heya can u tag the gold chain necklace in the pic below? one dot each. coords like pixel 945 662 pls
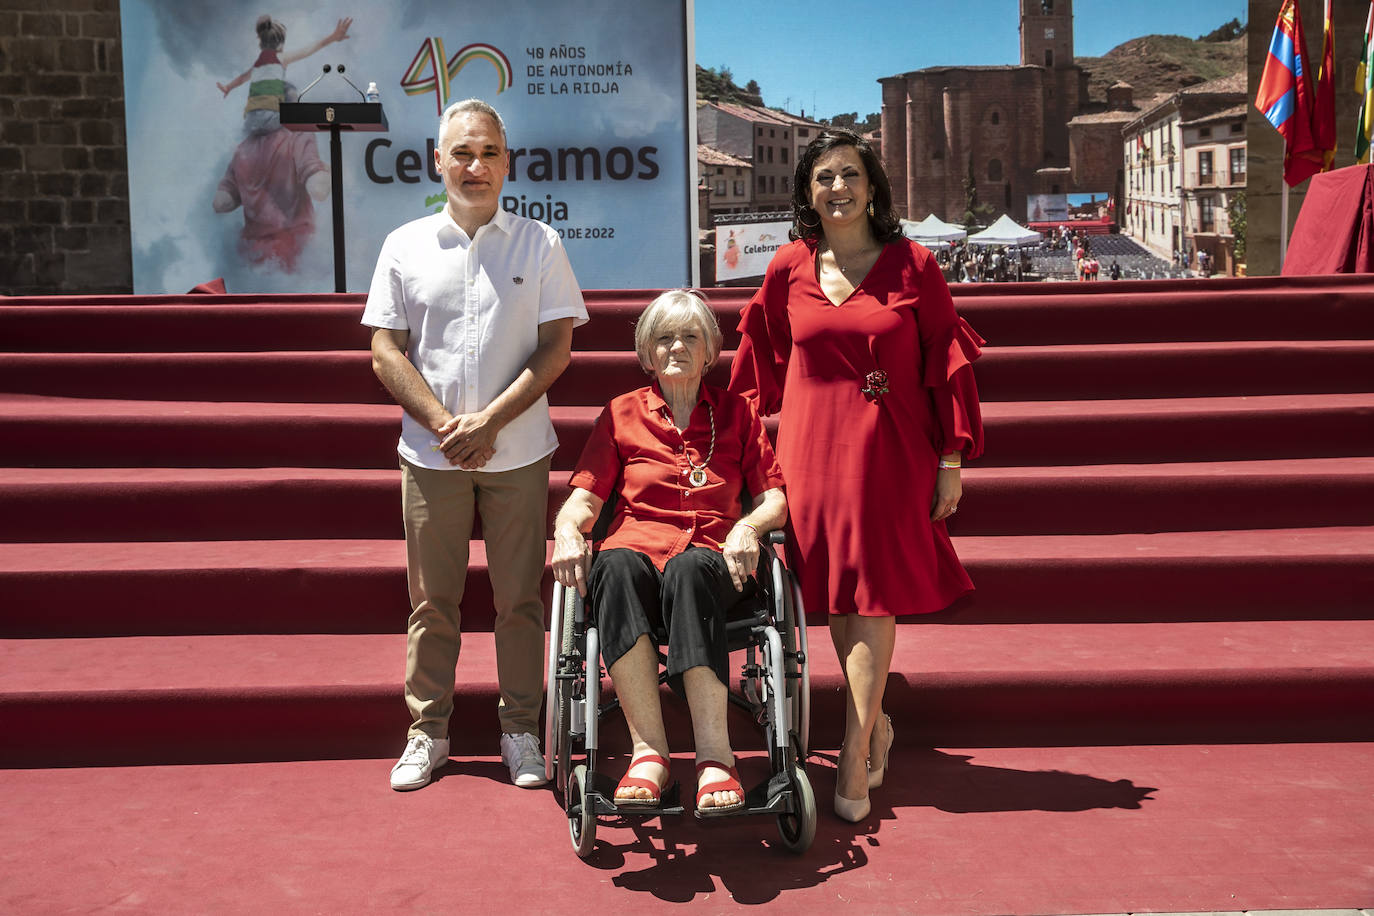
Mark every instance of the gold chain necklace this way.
pixel 697 475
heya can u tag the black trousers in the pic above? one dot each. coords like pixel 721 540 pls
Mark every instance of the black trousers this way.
pixel 688 602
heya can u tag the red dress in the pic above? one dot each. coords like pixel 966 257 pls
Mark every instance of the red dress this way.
pixel 860 471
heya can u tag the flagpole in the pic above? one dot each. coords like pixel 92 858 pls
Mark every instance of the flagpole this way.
pixel 1283 214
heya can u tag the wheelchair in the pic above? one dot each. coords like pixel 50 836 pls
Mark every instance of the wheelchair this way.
pixel 769 628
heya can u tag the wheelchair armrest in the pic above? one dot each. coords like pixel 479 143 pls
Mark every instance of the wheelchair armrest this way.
pixel 777 536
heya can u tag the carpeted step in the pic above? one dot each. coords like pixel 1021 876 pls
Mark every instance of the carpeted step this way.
pixel 1182 496
pixel 142 700
pixel 358 586
pixel 1007 314
pixel 1004 373
pixel 174 504
pixel 1174 829
pixel 40 431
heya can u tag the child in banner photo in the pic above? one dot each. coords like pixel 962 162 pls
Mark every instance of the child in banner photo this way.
pixel 276 175
pixel 268 73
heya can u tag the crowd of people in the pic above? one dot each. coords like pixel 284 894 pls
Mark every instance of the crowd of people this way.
pixel 964 263
pixel 852 340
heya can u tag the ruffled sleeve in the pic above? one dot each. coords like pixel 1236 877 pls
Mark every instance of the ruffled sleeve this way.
pixel 760 366
pixel 949 347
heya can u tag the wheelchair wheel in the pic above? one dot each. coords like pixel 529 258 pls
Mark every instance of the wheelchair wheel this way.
pixel 563 695
pixel 799 828
pixel 582 827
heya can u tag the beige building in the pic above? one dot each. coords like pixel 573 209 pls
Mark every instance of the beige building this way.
pixel 1160 201
pixel 770 140
pixel 1214 159
pixel 728 181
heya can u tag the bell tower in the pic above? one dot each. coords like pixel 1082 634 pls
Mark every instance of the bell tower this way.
pixel 1047 33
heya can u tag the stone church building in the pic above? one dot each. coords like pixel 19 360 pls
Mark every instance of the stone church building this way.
pixel 1020 129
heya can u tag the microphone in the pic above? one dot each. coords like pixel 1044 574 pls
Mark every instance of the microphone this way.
pixel 312 84
pixel 361 94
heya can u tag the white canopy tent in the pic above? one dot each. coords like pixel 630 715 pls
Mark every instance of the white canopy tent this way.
pixel 932 229
pixel 1005 231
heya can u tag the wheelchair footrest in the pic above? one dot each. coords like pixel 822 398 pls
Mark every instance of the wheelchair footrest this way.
pixel 772 797
pixel 601 798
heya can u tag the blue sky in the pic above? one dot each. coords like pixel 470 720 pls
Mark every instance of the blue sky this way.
pixel 826 55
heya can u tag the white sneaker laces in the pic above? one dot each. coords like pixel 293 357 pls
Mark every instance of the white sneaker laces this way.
pixel 417 751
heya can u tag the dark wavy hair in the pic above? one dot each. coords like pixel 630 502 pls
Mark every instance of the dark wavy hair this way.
pixel 886 224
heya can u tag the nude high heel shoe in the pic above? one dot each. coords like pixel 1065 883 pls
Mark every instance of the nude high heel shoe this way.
pixel 876 773
pixel 852 809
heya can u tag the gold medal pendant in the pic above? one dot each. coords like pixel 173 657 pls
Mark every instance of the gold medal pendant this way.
pixel 697 478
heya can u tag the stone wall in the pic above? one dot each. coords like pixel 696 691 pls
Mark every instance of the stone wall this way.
pixel 937 121
pixel 64 188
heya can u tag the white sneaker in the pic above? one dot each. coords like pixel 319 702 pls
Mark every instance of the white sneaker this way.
pixel 423 755
pixel 521 754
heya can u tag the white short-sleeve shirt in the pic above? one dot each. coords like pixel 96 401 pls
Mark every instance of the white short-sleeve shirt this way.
pixel 473 307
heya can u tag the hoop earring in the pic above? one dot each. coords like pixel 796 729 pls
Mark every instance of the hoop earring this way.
pixel 801 220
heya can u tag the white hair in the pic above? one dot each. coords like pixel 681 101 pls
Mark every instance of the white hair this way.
pixel 674 310
pixel 469 106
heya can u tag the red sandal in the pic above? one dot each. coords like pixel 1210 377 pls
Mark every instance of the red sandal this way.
pixel 637 782
pixel 720 785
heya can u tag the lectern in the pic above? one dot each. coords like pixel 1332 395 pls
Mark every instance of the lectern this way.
pixel 335 117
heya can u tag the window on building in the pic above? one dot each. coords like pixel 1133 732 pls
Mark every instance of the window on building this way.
pixel 739 188
pixel 763 185
pixel 770 154
pixel 1237 127
pixel 996 117
pixel 1204 168
pixel 783 154
pixel 784 135
pixel 772 184
pixel 759 158
pixel 1237 164
pixel 1049 57
pixel 804 132
pixel 720 188
pixel 1204 133
pixel 771 133
pixel 1206 215
pixel 720 170
pixel 785 187
pixel 739 170
pixel 760 131
pixel 994 170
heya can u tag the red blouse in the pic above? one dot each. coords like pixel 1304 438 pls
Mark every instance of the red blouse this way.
pixel 637 452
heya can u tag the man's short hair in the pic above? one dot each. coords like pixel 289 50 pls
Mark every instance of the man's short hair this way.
pixel 470 106
pixel 674 309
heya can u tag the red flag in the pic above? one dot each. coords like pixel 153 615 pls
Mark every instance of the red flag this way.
pixel 1324 118
pixel 1285 96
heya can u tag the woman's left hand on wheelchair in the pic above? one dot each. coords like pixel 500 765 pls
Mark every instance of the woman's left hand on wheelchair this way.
pixel 572 559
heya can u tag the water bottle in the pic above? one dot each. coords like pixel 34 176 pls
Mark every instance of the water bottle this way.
pixel 372 95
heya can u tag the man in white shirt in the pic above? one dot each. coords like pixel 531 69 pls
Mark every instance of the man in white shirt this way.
pixel 473 310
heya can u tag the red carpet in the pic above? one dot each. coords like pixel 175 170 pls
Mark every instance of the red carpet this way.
pixel 1164 678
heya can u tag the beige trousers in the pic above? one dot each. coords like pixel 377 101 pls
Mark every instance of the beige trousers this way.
pixel 439 507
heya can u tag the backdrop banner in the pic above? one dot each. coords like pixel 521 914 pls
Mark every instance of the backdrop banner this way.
pixel 597 96
pixel 744 249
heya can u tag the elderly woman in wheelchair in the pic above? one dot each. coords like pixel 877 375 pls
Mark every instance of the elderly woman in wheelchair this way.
pixel 680 550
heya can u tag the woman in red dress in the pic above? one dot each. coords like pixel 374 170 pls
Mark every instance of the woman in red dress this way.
pixel 855 325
